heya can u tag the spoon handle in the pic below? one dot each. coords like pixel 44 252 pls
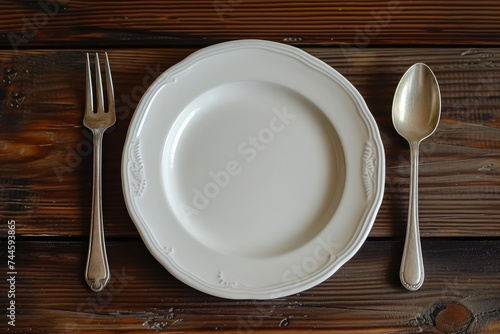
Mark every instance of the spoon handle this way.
pixel 412 264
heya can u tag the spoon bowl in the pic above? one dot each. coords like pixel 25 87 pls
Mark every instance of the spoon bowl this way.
pixel 416 110
pixel 417 104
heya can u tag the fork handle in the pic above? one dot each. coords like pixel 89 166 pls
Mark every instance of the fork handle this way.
pixel 97 269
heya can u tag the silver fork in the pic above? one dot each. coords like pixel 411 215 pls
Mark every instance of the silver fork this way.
pixel 97 269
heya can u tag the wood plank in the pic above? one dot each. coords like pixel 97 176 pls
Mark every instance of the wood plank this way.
pixel 74 23
pixel 45 161
pixel 461 291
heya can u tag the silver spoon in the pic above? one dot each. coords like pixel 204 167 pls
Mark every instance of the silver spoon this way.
pixel 416 110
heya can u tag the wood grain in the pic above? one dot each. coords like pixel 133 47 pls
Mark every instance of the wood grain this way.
pixel 41 134
pixel 360 23
pixel 46 164
pixel 364 296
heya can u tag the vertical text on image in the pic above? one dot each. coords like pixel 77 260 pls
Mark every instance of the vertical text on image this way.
pixel 11 272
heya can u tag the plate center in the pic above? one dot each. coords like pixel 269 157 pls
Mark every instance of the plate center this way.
pixel 253 168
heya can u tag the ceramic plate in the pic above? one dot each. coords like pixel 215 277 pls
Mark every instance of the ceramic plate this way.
pixel 252 170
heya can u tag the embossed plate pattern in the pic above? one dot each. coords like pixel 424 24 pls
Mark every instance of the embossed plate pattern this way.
pixel 252 170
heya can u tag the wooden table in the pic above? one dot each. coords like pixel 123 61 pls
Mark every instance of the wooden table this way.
pixel 46 165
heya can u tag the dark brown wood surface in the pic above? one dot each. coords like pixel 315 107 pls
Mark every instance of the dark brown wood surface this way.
pixel 360 298
pixel 199 22
pixel 44 136
pixel 46 164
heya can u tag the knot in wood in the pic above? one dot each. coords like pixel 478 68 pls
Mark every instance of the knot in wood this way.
pixel 451 317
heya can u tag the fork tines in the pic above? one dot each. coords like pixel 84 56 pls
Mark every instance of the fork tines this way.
pixel 90 112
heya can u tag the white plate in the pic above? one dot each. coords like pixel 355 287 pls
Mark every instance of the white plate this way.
pixel 252 170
